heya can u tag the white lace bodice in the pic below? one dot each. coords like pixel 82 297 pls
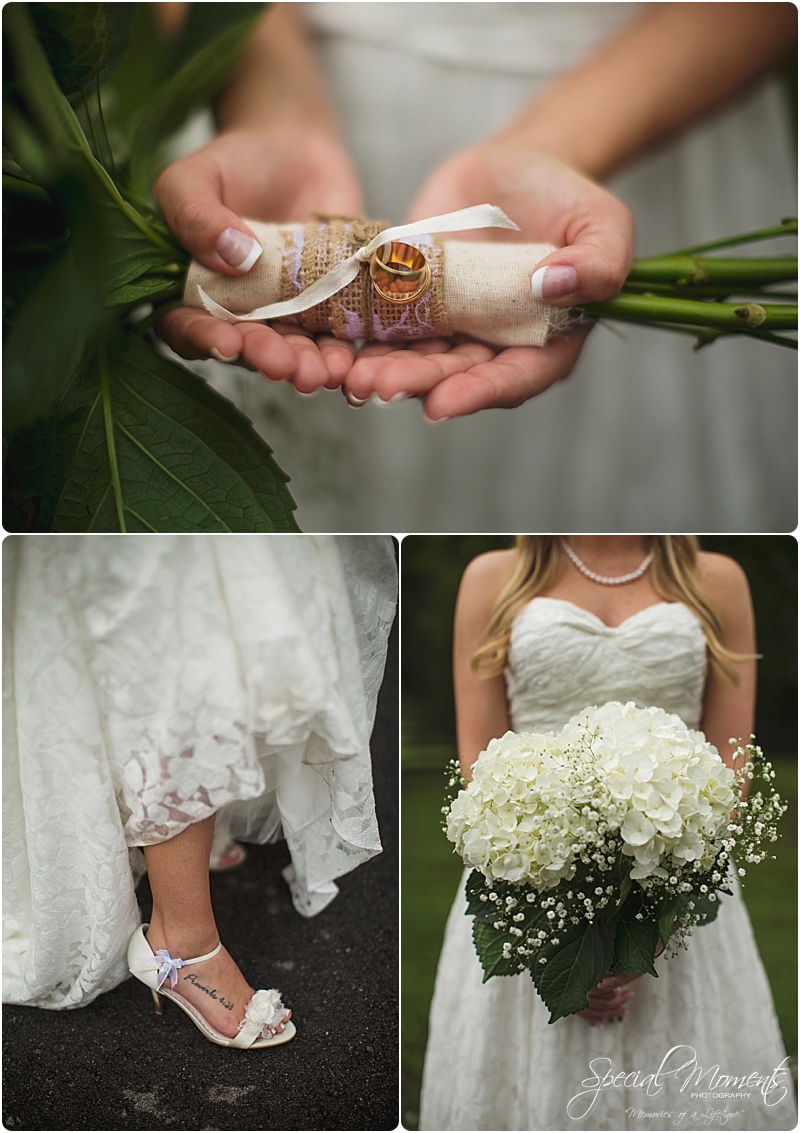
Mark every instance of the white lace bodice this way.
pixel 563 658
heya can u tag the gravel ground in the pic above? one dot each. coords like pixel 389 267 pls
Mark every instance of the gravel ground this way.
pixel 116 1065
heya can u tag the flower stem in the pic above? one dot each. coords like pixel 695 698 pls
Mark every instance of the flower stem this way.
pixel 787 227
pixel 693 271
pixel 731 317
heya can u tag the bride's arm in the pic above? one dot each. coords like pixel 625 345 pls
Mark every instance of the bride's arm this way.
pixel 481 706
pixel 729 710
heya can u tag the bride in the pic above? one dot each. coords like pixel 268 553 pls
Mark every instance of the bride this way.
pixel 542 632
pixel 155 685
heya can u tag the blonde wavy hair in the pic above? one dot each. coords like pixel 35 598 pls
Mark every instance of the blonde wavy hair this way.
pixel 674 575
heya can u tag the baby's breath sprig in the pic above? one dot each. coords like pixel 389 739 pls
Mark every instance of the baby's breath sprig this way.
pixel 454 778
pixel 754 824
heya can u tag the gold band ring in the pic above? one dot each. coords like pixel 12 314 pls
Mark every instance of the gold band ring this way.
pixel 399 272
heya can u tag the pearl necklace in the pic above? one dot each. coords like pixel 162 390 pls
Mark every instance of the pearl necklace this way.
pixel 619 580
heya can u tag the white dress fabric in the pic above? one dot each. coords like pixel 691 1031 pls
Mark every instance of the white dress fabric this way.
pixel 151 680
pixel 645 432
pixel 493 1061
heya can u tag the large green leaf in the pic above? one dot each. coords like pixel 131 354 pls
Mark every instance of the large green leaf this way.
pixel 489 946
pixel 51 326
pixel 46 341
pixel 665 913
pixel 635 944
pixel 75 38
pixel 701 904
pixel 198 80
pixel 571 971
pixel 55 119
pixel 141 444
pixel 203 24
pixel 130 255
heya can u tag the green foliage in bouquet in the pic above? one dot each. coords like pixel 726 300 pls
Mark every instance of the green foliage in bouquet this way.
pixel 103 432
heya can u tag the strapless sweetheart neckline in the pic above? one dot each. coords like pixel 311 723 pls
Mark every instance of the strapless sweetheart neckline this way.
pixel 597 618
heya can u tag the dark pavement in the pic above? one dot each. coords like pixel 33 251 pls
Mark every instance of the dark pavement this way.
pixel 116 1065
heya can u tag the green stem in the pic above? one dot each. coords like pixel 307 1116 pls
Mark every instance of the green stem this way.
pixel 706 335
pixel 105 131
pixel 108 422
pixel 726 316
pixel 91 125
pixel 691 270
pixel 675 291
pixel 787 227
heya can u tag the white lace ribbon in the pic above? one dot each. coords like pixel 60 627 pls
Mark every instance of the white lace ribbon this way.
pixel 478 216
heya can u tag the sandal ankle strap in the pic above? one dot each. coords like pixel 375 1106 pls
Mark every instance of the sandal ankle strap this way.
pixel 168 965
pixel 208 956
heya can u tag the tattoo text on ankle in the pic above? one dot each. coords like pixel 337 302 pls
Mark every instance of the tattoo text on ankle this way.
pixel 192 978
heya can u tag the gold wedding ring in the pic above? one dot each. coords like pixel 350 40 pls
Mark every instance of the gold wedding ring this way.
pixel 399 272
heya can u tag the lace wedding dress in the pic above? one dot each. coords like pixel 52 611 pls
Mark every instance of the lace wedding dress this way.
pixel 154 679
pixel 493 1061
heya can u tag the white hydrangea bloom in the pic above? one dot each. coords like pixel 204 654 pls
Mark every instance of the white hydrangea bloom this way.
pixel 538 802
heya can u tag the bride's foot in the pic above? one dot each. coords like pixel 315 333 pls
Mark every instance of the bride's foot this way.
pixel 215 987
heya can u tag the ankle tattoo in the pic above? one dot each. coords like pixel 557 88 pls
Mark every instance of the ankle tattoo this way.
pixel 212 992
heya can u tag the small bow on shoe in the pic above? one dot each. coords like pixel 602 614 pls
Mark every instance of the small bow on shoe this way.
pixel 167 966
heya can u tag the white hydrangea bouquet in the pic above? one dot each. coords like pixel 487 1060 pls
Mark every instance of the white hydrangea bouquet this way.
pixel 595 846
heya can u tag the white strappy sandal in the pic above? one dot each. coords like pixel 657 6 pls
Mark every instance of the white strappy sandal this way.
pixel 262 1017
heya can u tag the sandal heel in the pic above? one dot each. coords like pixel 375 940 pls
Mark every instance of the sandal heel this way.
pixel 159 1006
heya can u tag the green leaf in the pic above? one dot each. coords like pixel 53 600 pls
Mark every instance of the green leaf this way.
pixel 489 946
pixel 702 904
pixel 476 885
pixel 55 119
pixel 75 38
pixel 666 918
pixel 204 22
pixel 46 341
pixel 140 290
pixel 140 444
pixel 635 945
pixel 130 255
pixel 573 969
pixel 198 80
pixel 50 329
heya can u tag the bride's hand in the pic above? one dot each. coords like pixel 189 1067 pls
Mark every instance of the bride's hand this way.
pixel 609 1000
pixel 551 203
pixel 279 175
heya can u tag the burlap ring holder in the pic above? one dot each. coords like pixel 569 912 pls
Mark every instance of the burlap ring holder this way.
pixel 478 289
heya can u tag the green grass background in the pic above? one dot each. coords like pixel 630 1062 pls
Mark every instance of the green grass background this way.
pixel 430 877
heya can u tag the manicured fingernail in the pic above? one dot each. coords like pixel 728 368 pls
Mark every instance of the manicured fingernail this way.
pixel 432 420
pixel 311 393
pixel 356 402
pixel 399 397
pixel 238 249
pixel 553 282
pixel 223 357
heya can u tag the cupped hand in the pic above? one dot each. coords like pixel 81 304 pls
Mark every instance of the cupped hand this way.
pixel 551 203
pixel 282 176
pixel 610 999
